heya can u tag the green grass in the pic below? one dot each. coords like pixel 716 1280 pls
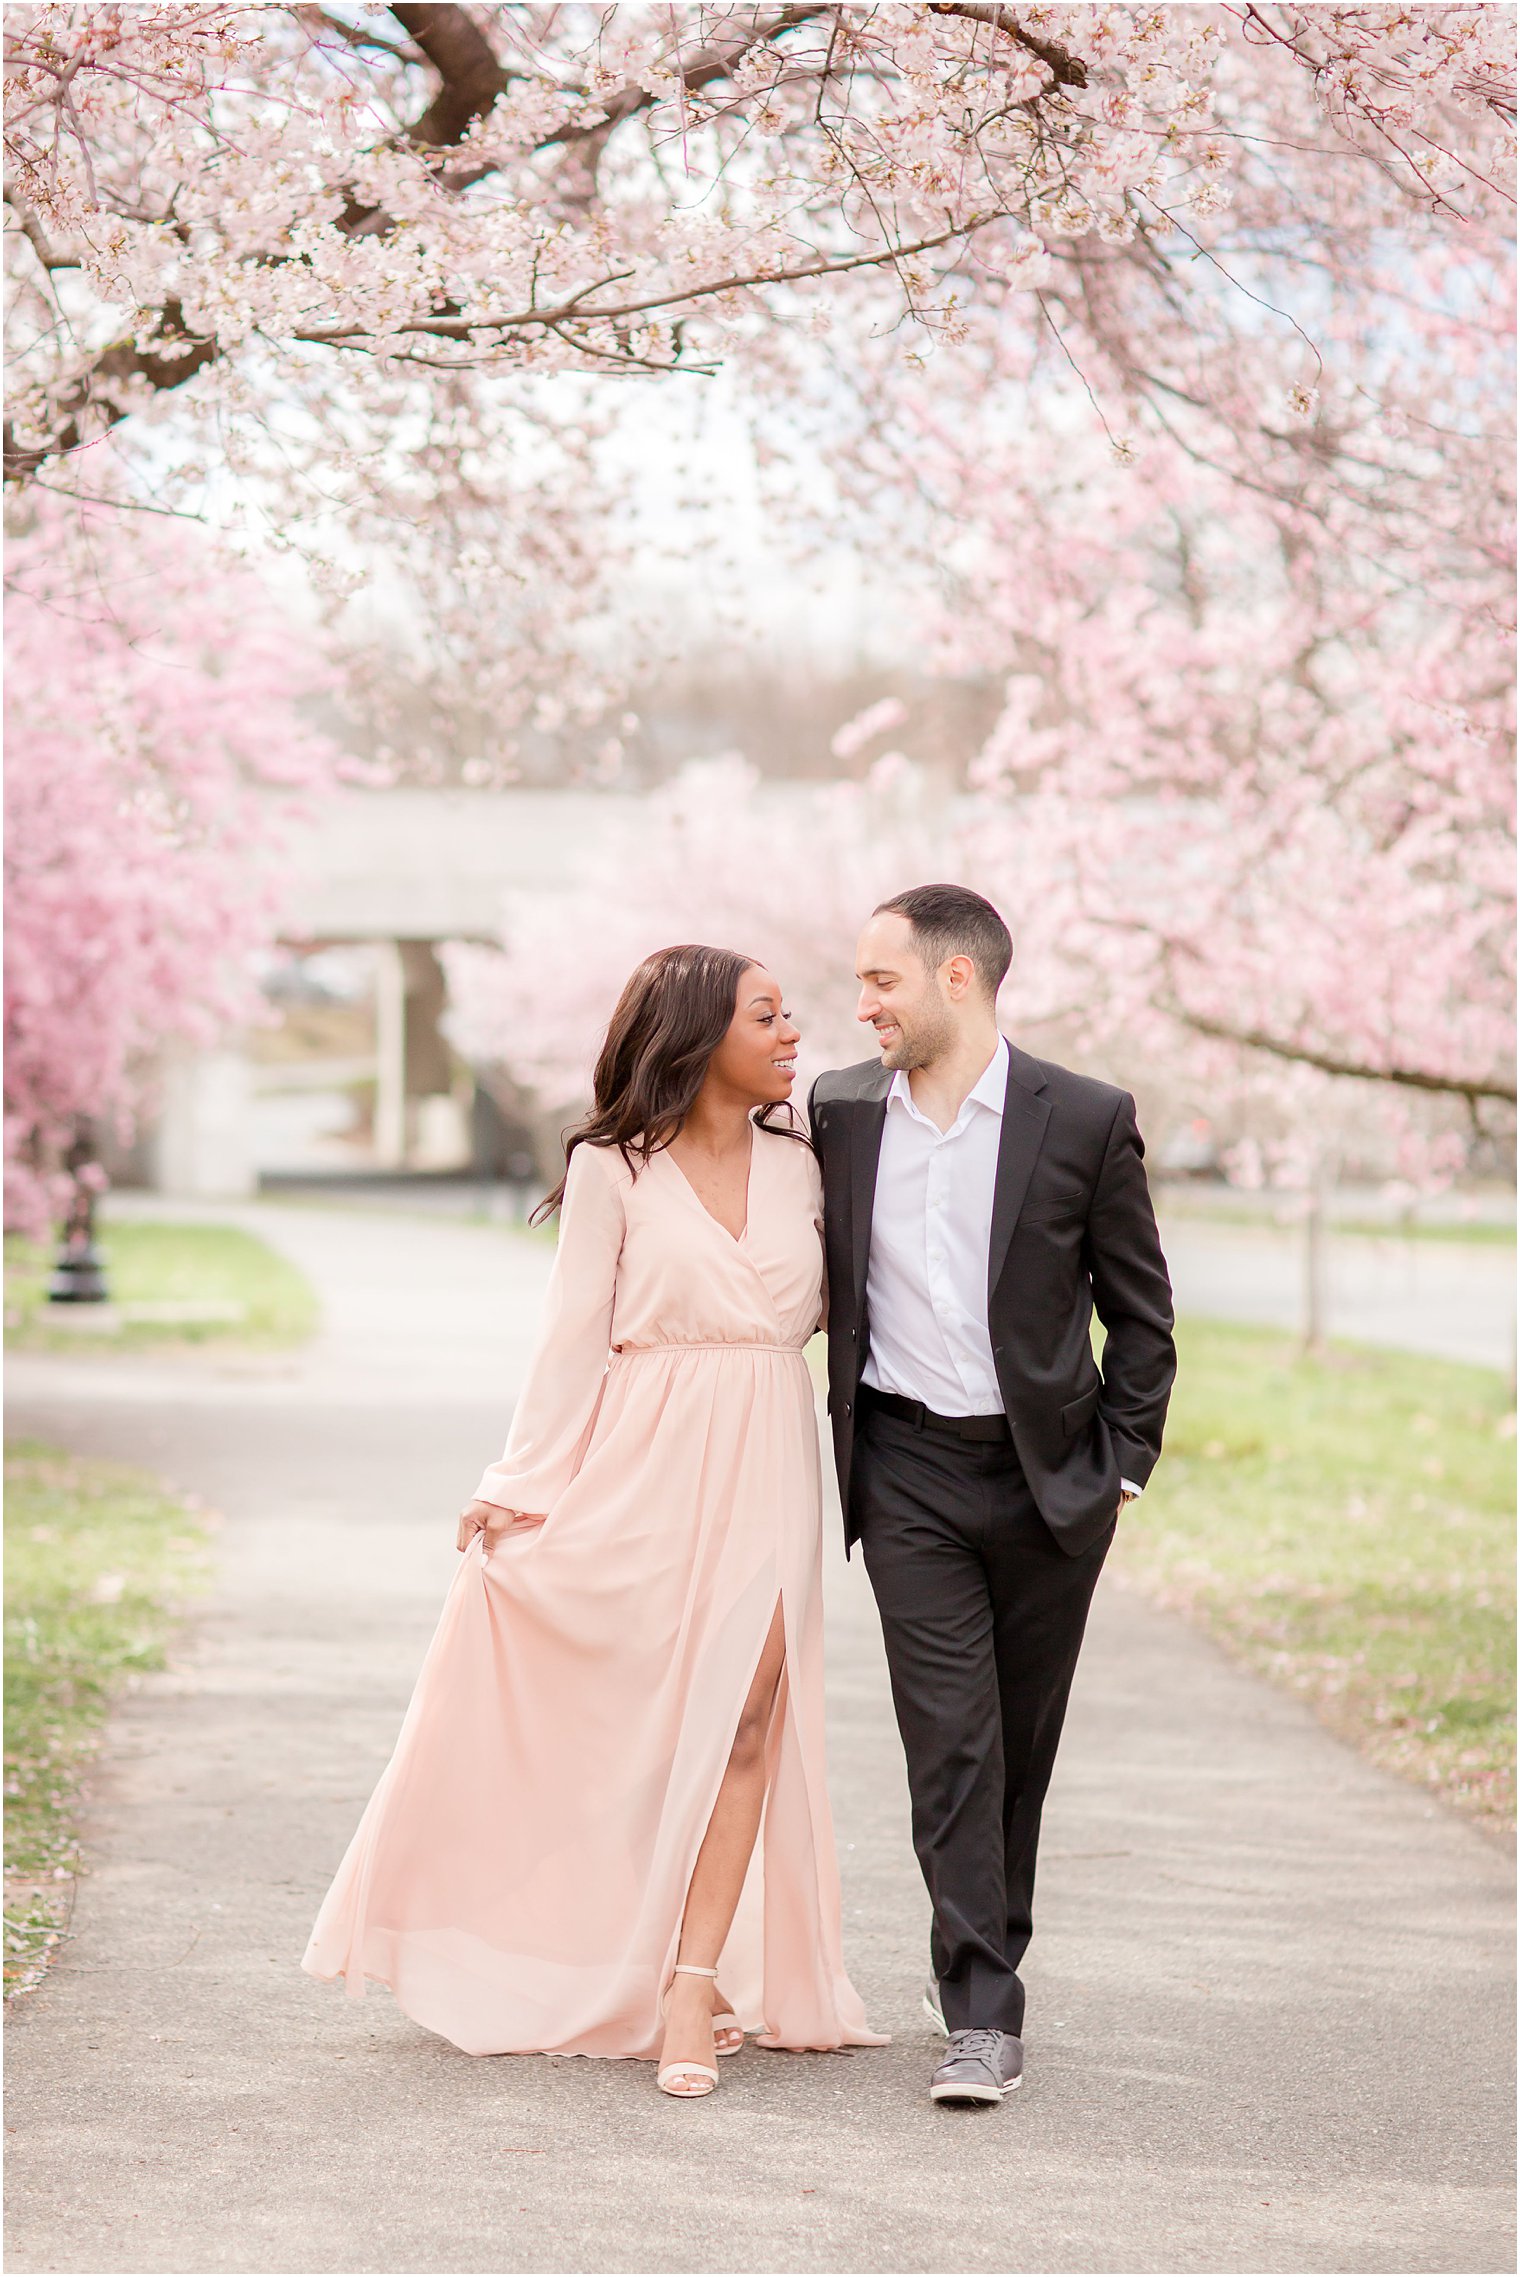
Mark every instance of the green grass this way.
pixel 1346 1526
pixel 264 1300
pixel 98 1559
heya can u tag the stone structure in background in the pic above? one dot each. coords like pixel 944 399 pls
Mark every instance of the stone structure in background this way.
pixel 387 876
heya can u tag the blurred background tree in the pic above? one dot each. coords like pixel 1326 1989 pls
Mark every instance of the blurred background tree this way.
pixel 156 748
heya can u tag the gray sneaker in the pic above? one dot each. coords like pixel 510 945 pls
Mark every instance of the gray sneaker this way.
pixel 978 2067
pixel 934 2010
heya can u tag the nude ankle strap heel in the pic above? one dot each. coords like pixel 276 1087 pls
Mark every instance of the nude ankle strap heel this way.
pixel 688 2070
pixel 728 2032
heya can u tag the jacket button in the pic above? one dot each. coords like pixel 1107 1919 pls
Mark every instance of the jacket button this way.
pixel 854 1335
pixel 847 1407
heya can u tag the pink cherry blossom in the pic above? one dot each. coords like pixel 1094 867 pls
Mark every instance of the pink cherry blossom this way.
pixel 154 744
pixel 227 201
pixel 1170 345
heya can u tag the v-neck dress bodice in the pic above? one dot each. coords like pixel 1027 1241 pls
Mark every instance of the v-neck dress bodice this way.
pixel 683 1277
pixel 519 1877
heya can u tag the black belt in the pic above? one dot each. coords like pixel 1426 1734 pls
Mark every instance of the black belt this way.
pixel 987 1427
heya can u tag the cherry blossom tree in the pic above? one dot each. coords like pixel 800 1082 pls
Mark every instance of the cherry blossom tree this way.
pixel 1249 803
pixel 376 265
pixel 1172 338
pixel 155 743
pixel 1256 756
pixel 325 205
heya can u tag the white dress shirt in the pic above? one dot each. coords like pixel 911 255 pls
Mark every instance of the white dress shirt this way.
pixel 931 1231
pixel 931 1235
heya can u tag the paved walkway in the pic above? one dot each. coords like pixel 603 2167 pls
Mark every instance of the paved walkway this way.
pixel 1269 2023
pixel 1452 1299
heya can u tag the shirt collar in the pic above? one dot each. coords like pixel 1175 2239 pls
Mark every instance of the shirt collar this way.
pixel 991 1086
pixel 989 1090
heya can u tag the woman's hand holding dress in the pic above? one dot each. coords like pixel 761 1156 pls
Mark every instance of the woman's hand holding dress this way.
pixel 489 1520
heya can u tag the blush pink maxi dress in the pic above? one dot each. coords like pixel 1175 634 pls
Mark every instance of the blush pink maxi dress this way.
pixel 519 1876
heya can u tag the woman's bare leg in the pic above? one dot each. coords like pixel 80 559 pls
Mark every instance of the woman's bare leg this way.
pixel 723 1862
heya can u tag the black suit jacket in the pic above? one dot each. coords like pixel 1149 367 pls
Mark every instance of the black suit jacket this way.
pixel 1072 1229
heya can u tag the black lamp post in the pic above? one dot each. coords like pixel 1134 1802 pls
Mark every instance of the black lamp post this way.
pixel 78 1270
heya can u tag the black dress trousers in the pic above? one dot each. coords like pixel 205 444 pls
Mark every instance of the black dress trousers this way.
pixel 982 1616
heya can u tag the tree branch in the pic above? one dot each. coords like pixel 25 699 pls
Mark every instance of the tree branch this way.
pixel 354 36
pixel 36 236
pixel 1411 1078
pixel 709 63
pixel 575 310
pixel 471 78
pixel 173 356
pixel 1068 70
pixel 469 74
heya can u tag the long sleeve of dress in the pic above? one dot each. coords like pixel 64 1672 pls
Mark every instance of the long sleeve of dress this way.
pixel 557 1407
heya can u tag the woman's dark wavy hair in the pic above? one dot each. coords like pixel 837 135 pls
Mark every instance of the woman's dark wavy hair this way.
pixel 670 1019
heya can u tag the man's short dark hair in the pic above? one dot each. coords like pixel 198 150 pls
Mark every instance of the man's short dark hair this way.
pixel 952 921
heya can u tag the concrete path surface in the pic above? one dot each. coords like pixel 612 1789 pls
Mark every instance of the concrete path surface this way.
pixel 1452 1299
pixel 1269 2022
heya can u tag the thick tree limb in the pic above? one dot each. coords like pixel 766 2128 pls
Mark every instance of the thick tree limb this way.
pixel 470 78
pixel 88 407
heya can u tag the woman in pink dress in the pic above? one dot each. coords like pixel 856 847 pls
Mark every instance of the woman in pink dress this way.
pixel 605 1830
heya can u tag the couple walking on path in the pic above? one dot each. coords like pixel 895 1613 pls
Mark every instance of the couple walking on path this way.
pixel 605 1829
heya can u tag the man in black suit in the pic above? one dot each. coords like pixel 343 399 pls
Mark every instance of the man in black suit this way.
pixel 980 1205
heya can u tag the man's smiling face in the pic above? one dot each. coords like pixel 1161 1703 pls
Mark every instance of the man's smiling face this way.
pixel 902 1001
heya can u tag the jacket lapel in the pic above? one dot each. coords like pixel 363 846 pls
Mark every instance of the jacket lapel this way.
pixel 865 1152
pixel 1025 1115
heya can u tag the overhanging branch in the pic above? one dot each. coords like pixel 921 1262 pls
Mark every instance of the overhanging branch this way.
pixel 578 310
pixel 699 71
pixel 172 356
pixel 1471 1088
pixel 470 80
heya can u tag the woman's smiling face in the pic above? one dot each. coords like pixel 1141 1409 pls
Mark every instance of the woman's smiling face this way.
pixel 757 1059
